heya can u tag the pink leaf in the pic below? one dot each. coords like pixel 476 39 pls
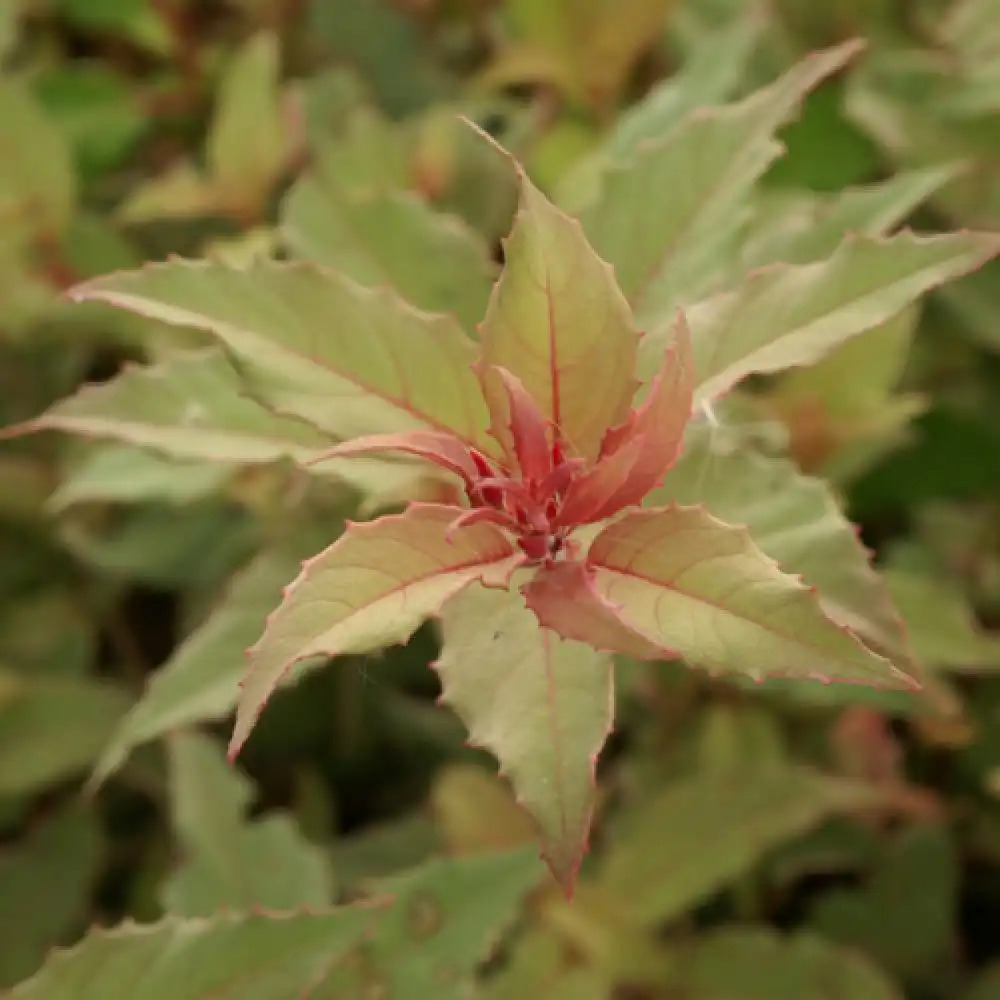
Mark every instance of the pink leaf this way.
pixel 529 429
pixel 563 599
pixel 441 449
pixel 638 454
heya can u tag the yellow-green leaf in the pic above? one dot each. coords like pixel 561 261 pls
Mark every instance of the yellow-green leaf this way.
pixel 558 321
pixel 788 315
pixel 250 140
pixel 664 216
pixel 543 706
pixel 316 345
pixel 230 862
pixel 373 587
pixel 432 260
pixel 189 407
pixel 796 521
pixel 685 842
pixel 686 581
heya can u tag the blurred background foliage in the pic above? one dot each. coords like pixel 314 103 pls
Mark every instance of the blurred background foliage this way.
pixel 750 843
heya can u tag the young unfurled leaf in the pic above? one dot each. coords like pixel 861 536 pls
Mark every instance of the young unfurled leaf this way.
pixel 372 587
pixel 788 315
pixel 558 322
pixel 636 456
pixel 542 705
pixel 688 582
pixel 565 599
pixel 664 216
pixel 315 345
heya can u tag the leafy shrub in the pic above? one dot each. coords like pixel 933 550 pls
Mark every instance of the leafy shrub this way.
pixel 551 345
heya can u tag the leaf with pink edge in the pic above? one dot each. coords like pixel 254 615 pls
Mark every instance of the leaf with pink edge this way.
pixel 687 581
pixel 558 322
pixel 543 706
pixel 787 315
pixel 373 587
pixel 667 215
pixel 564 599
pixel 637 455
pixel 313 344
pixel 441 449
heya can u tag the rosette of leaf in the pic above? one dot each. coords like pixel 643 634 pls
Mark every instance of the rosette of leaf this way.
pixel 578 529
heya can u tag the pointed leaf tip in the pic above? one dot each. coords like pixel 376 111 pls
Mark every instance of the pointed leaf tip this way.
pixel 383 367
pixel 687 581
pixel 373 587
pixel 558 322
pixel 637 455
pixel 543 706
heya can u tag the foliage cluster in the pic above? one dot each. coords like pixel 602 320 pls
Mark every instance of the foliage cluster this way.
pixel 559 346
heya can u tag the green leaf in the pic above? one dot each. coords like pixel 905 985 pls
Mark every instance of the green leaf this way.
pixel 687 841
pixel 542 706
pixel 120 474
pixel 250 141
pixel 432 260
pixel 690 583
pixel 135 20
pixel 189 407
pixel 941 623
pixel 788 315
pixel 586 48
pixel 709 76
pixel 424 940
pixel 387 47
pixel 315 345
pixel 904 917
pixel 52 728
pixel 797 228
pixel 47 632
pixel 229 862
pixel 475 811
pixel 45 884
pixel 448 915
pixel 665 217
pixel 558 322
pixel 539 966
pixel 225 957
pixel 758 964
pixel 95 110
pixel 796 521
pixel 372 588
pixel 200 681
pixel 179 192
pixel 37 180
